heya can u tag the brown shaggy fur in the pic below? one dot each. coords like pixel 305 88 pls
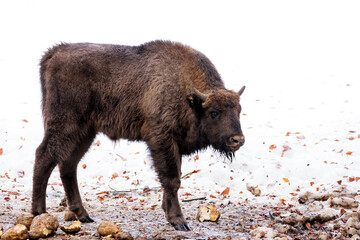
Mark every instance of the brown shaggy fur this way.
pixel 137 93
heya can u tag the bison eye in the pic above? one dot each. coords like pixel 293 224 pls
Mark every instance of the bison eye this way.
pixel 214 114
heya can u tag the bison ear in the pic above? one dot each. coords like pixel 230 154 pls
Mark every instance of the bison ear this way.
pixel 241 91
pixel 195 103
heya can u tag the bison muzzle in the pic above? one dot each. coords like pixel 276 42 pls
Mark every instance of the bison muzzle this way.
pixel 163 93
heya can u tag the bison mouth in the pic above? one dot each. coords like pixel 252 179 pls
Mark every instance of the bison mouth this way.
pixel 228 148
pixel 225 150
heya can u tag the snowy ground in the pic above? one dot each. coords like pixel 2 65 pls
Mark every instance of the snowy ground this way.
pixel 300 63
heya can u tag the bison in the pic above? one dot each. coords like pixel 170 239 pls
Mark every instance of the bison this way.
pixel 163 93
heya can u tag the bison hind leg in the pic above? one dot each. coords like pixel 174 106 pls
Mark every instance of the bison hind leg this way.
pixel 68 175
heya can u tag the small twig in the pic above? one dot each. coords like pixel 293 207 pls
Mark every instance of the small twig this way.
pixel 194 199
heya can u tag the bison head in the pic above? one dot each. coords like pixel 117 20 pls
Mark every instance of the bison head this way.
pixel 219 114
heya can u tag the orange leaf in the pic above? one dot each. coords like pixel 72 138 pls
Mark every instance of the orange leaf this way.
pixel 115 175
pixel 342 211
pixel 84 166
pixel 308 226
pixel 286 180
pixel 339 182
pixel 351 138
pixel 25 120
pixel 212 196
pixel 288 134
pixel 188 194
pixel 225 192
pixel 312 183
pixel 348 153
pixel 272 147
pixel 1 151
pixel 293 194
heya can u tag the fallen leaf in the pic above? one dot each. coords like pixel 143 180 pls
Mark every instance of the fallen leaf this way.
pixel 308 225
pixel 351 138
pixel 272 147
pixel 114 175
pixel 286 148
pixel 225 192
pixel 212 196
pixel 1 151
pixel 286 180
pixel 339 182
pixel 84 166
pixel 348 153
pixel 312 183
pixel 287 134
pixel 25 120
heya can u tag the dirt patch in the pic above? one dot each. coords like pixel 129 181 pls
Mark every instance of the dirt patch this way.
pixel 314 217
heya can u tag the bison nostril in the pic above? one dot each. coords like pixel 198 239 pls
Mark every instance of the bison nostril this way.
pixel 237 140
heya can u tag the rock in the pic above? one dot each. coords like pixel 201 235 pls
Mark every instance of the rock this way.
pixel 254 190
pixel 208 212
pixel 323 236
pixel 25 219
pixel 73 228
pixel 69 216
pixel 108 228
pixel 43 226
pixel 344 202
pixel 123 236
pixel 18 232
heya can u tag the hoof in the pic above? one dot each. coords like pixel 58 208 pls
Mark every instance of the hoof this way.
pixel 182 227
pixel 87 219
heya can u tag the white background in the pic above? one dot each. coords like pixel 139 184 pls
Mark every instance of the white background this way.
pixel 300 61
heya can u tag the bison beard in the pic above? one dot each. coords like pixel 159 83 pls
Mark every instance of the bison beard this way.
pixel 166 94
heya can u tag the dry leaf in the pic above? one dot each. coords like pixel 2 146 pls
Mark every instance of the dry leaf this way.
pixel 225 192
pixel 272 147
pixel 286 180
pixel 115 175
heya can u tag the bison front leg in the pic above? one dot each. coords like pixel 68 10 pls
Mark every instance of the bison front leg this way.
pixel 167 162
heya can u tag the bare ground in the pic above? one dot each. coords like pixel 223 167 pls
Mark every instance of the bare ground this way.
pixel 144 219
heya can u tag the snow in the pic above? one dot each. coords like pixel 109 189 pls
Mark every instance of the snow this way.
pixel 299 60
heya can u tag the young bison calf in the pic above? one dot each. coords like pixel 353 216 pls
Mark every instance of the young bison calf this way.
pixel 163 93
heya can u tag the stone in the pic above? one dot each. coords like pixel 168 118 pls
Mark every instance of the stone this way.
pixel 18 232
pixel 108 228
pixel 25 219
pixel 208 212
pixel 69 216
pixel 73 228
pixel 43 226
